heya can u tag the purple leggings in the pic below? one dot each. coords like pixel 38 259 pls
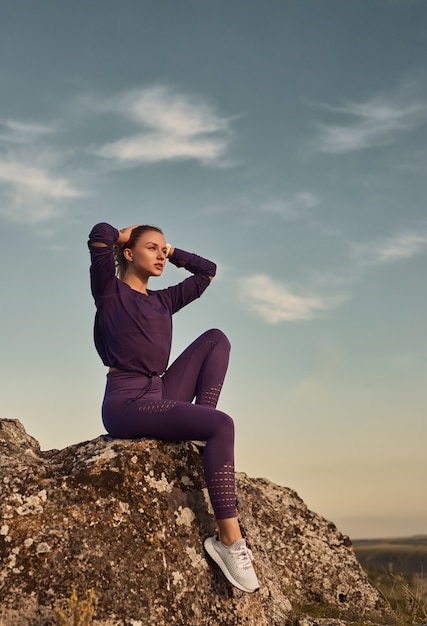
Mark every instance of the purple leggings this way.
pixel 136 405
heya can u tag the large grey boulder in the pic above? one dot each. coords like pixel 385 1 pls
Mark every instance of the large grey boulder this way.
pixel 127 518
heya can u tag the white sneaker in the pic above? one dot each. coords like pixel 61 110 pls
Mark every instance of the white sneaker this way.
pixel 235 562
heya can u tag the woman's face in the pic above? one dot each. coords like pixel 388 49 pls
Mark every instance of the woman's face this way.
pixel 148 256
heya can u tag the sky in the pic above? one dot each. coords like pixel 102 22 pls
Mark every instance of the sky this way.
pixel 286 141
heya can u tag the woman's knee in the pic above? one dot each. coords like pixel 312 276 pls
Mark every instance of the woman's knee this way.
pixel 224 424
pixel 217 336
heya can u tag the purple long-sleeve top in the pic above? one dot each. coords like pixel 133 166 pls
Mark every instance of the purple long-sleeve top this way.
pixel 133 331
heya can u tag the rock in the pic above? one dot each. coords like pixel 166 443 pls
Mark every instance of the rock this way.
pixel 127 519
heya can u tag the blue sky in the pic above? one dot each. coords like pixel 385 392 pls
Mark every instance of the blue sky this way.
pixel 286 140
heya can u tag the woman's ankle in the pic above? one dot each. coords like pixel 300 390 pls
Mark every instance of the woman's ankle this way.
pixel 229 531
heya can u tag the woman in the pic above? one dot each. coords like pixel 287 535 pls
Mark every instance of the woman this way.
pixel 144 397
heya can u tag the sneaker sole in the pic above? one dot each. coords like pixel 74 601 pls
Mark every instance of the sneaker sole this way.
pixel 218 560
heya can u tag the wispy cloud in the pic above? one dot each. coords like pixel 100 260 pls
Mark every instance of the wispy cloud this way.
pixel 36 181
pixel 293 207
pixel 369 124
pixel 401 246
pixel 163 125
pixel 34 194
pixel 31 188
pixel 14 131
pixel 276 302
pixel 168 125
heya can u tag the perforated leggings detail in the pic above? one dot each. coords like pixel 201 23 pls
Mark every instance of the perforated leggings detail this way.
pixel 222 488
pixel 209 397
pixel 157 406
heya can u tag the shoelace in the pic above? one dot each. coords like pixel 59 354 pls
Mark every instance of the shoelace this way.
pixel 244 555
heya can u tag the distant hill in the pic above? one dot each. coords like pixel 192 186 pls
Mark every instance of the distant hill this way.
pixel 405 557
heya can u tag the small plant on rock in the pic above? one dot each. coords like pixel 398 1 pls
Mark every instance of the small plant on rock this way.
pixel 79 613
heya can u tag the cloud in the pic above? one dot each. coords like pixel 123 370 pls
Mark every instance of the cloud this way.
pixel 169 126
pixel 154 147
pixel 294 207
pixel 36 181
pixel 33 193
pixel 373 123
pixel 401 246
pixel 275 302
pixel 160 108
pixel 13 131
pixel 31 188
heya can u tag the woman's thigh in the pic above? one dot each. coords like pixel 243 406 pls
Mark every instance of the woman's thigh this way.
pixel 170 420
pixel 201 366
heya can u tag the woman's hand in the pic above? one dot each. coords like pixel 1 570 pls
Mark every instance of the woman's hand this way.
pixel 125 233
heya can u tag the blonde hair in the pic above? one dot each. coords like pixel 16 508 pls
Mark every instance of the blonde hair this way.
pixel 121 262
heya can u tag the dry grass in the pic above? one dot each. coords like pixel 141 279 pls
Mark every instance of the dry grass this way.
pixel 78 612
pixel 407 601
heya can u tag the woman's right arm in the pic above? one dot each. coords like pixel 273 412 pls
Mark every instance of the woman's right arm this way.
pixel 102 239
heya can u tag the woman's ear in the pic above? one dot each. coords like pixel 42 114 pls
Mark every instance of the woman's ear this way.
pixel 127 253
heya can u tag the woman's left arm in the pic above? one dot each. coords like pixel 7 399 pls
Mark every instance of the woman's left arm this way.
pixel 195 264
pixel 203 271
